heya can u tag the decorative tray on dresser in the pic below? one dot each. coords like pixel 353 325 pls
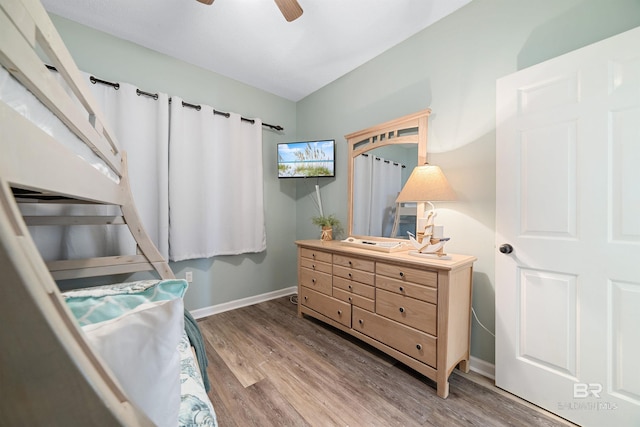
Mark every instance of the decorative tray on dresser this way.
pixel 416 310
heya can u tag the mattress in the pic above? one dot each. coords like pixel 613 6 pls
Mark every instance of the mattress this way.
pixel 16 96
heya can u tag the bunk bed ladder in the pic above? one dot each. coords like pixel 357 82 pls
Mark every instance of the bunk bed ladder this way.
pixel 147 257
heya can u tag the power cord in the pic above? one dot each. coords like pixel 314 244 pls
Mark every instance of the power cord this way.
pixel 480 323
pixel 293 299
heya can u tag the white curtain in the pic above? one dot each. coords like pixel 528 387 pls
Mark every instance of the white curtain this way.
pixel 362 194
pixel 377 183
pixel 386 184
pixel 215 184
pixel 141 126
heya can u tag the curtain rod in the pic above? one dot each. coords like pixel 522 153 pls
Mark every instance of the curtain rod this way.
pixel 139 92
pixel 386 161
pixel 222 113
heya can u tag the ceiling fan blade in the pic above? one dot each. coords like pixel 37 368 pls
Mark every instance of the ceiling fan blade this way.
pixel 206 1
pixel 290 9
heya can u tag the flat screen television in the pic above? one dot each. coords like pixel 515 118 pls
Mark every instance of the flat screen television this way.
pixel 307 159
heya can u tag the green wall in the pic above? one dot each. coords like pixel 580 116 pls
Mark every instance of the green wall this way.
pixel 450 67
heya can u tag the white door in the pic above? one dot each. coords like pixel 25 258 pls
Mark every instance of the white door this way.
pixel 568 203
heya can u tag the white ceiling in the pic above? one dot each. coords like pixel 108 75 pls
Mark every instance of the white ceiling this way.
pixel 250 41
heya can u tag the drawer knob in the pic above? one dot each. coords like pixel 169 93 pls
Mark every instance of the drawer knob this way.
pixel 305 298
pixel 401 288
pixel 350 276
pixel 350 287
pixel 313 281
pixel 313 256
pixel 361 321
pixel 401 309
pixel 339 312
pixel 350 263
pixel 313 266
pixel 349 299
pixel 401 274
pixel 419 346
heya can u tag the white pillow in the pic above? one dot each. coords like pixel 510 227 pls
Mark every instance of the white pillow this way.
pixel 140 348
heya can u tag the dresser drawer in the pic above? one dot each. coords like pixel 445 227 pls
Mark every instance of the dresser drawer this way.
pixel 315 255
pixel 333 308
pixel 412 312
pixel 409 341
pixel 321 282
pixel 353 262
pixel 351 274
pixel 408 274
pixel 357 300
pixel 315 265
pixel 354 287
pixel 421 292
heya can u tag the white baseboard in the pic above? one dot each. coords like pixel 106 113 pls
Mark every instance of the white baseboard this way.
pixel 232 305
pixel 483 368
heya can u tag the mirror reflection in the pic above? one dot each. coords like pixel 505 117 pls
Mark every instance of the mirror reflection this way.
pixel 378 176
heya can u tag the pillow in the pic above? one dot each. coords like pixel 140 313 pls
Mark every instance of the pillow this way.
pixel 102 303
pixel 140 348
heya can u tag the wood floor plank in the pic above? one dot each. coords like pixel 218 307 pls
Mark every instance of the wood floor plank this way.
pixel 269 367
pixel 274 406
pixel 224 385
pixel 317 409
pixel 239 354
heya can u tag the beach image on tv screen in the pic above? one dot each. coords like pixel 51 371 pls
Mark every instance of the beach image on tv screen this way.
pixel 306 159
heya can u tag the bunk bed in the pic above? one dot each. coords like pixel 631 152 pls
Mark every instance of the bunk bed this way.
pixel 70 358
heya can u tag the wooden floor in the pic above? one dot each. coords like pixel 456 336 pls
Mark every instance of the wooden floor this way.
pixel 270 368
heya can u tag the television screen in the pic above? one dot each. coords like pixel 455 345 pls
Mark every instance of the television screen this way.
pixel 306 159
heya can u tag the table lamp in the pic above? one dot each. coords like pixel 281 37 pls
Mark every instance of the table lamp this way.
pixel 427 184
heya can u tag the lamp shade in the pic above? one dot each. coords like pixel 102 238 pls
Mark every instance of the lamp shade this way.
pixel 425 184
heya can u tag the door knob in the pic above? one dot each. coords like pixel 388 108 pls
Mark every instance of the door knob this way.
pixel 506 248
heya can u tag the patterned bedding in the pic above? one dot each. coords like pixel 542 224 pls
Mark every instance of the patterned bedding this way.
pixel 196 409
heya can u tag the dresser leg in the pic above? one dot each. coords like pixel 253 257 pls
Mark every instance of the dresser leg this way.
pixel 464 366
pixel 443 389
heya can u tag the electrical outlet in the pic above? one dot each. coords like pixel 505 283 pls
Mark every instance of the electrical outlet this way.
pixel 189 276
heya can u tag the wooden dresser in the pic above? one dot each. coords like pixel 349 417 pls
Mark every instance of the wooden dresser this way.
pixel 417 310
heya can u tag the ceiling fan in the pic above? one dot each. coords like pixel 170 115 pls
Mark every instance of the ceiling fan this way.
pixel 290 9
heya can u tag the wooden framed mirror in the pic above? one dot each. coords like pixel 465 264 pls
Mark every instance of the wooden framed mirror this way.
pixel 372 191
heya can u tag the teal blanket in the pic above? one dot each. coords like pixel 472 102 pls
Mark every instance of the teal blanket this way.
pixel 195 338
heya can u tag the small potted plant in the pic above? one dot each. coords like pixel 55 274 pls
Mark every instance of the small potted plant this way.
pixel 328 224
